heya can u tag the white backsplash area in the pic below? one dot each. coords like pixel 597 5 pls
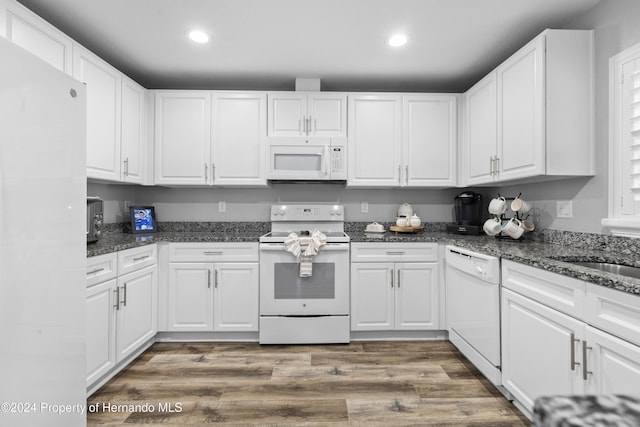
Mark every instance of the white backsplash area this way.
pixel 250 204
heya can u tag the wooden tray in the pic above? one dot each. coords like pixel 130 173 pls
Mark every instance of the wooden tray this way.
pixel 406 229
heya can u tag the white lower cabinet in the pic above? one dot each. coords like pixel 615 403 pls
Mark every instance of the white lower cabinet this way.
pixel 394 295
pixel 538 350
pixel 220 296
pixel 552 343
pixel 122 310
pixel 101 330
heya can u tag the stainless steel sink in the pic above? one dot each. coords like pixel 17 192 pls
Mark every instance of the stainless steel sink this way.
pixel 623 270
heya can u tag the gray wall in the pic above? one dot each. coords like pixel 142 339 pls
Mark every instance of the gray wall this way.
pixel 616 25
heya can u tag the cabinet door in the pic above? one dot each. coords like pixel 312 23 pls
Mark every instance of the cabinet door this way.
pixel 286 113
pixel 238 135
pixel 37 36
pixel 416 300
pixel 327 113
pixel 137 313
pixel 429 140
pixel 190 302
pixel 374 140
pixel 612 364
pixel 521 109
pixel 539 353
pixel 103 113
pixel 101 330
pixel 372 296
pixel 481 139
pixel 183 138
pixel 236 297
pixel 133 138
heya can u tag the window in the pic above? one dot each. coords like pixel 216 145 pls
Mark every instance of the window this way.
pixel 624 144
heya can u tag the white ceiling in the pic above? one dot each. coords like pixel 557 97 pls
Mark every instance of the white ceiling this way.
pixel 266 44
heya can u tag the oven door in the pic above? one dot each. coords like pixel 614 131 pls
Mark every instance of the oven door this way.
pixel 298 159
pixel 284 293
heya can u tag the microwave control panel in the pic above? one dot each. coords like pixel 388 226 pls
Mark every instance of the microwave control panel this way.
pixel 338 162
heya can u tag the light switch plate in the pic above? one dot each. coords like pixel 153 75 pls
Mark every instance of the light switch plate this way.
pixel 222 206
pixel 564 209
pixel 364 207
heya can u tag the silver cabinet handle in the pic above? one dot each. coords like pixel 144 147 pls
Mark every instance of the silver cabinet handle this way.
pixel 124 300
pixel 585 370
pixel 140 258
pixel 399 174
pixel 574 340
pixel 497 165
pixel 117 292
pixel 391 277
pixel 491 166
pixel 209 279
pixel 206 172
pixel 213 172
pixel 395 252
pixel 215 279
pixel 213 252
pixel 97 270
pixel 126 167
pixel 406 174
pixel 398 278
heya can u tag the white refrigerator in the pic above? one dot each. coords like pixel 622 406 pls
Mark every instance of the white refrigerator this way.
pixel 42 243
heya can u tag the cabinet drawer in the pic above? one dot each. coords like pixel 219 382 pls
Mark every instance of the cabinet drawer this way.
pixel 563 293
pixel 394 252
pixel 101 268
pixel 614 311
pixel 213 252
pixel 134 259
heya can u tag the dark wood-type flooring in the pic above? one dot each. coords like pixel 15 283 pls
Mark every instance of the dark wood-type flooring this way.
pixel 359 384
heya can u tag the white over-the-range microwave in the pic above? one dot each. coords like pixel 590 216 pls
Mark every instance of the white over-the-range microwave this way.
pixel 307 159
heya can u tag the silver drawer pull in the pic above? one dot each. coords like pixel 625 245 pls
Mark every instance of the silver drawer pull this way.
pixel 97 270
pixel 213 252
pixel 573 351
pixel 585 370
pixel 140 258
pixel 395 252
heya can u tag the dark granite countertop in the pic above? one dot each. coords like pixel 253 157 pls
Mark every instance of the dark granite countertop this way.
pixel 552 257
pixel 602 410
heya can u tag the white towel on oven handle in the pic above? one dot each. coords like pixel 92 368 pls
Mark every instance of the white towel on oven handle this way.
pixel 294 244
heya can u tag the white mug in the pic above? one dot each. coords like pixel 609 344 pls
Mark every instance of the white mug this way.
pixel 528 225
pixel 513 228
pixel 492 226
pixel 498 206
pixel 519 205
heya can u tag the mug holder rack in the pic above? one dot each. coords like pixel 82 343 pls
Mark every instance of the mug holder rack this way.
pixel 503 217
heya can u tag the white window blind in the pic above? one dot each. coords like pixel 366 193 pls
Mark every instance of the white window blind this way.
pixel 624 144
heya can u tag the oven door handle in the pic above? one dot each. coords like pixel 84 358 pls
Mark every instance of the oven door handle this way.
pixel 331 247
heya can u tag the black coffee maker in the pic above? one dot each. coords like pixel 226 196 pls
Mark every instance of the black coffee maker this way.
pixel 468 212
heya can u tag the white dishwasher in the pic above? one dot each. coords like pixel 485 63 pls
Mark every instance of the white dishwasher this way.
pixel 473 308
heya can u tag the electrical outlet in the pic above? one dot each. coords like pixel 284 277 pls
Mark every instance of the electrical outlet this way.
pixel 564 209
pixel 364 207
pixel 222 206
pixel 127 204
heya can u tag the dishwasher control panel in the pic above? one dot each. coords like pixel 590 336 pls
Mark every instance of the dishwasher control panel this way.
pixel 483 266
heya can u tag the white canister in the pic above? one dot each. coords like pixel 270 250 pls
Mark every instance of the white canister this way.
pixel 415 221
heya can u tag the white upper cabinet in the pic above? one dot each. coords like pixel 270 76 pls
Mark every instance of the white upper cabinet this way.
pixel 307 114
pixel 429 141
pixel 133 135
pixel 375 140
pixel 480 144
pixel 210 138
pixel 543 113
pixel 183 138
pixel 35 35
pixel 104 91
pixel 239 130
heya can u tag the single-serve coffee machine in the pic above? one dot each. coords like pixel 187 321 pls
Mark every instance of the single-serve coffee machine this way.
pixel 468 213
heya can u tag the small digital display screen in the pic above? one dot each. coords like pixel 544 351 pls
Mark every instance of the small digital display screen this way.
pixel 143 219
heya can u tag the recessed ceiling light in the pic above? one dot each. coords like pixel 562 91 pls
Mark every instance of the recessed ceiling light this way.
pixel 198 36
pixel 397 40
